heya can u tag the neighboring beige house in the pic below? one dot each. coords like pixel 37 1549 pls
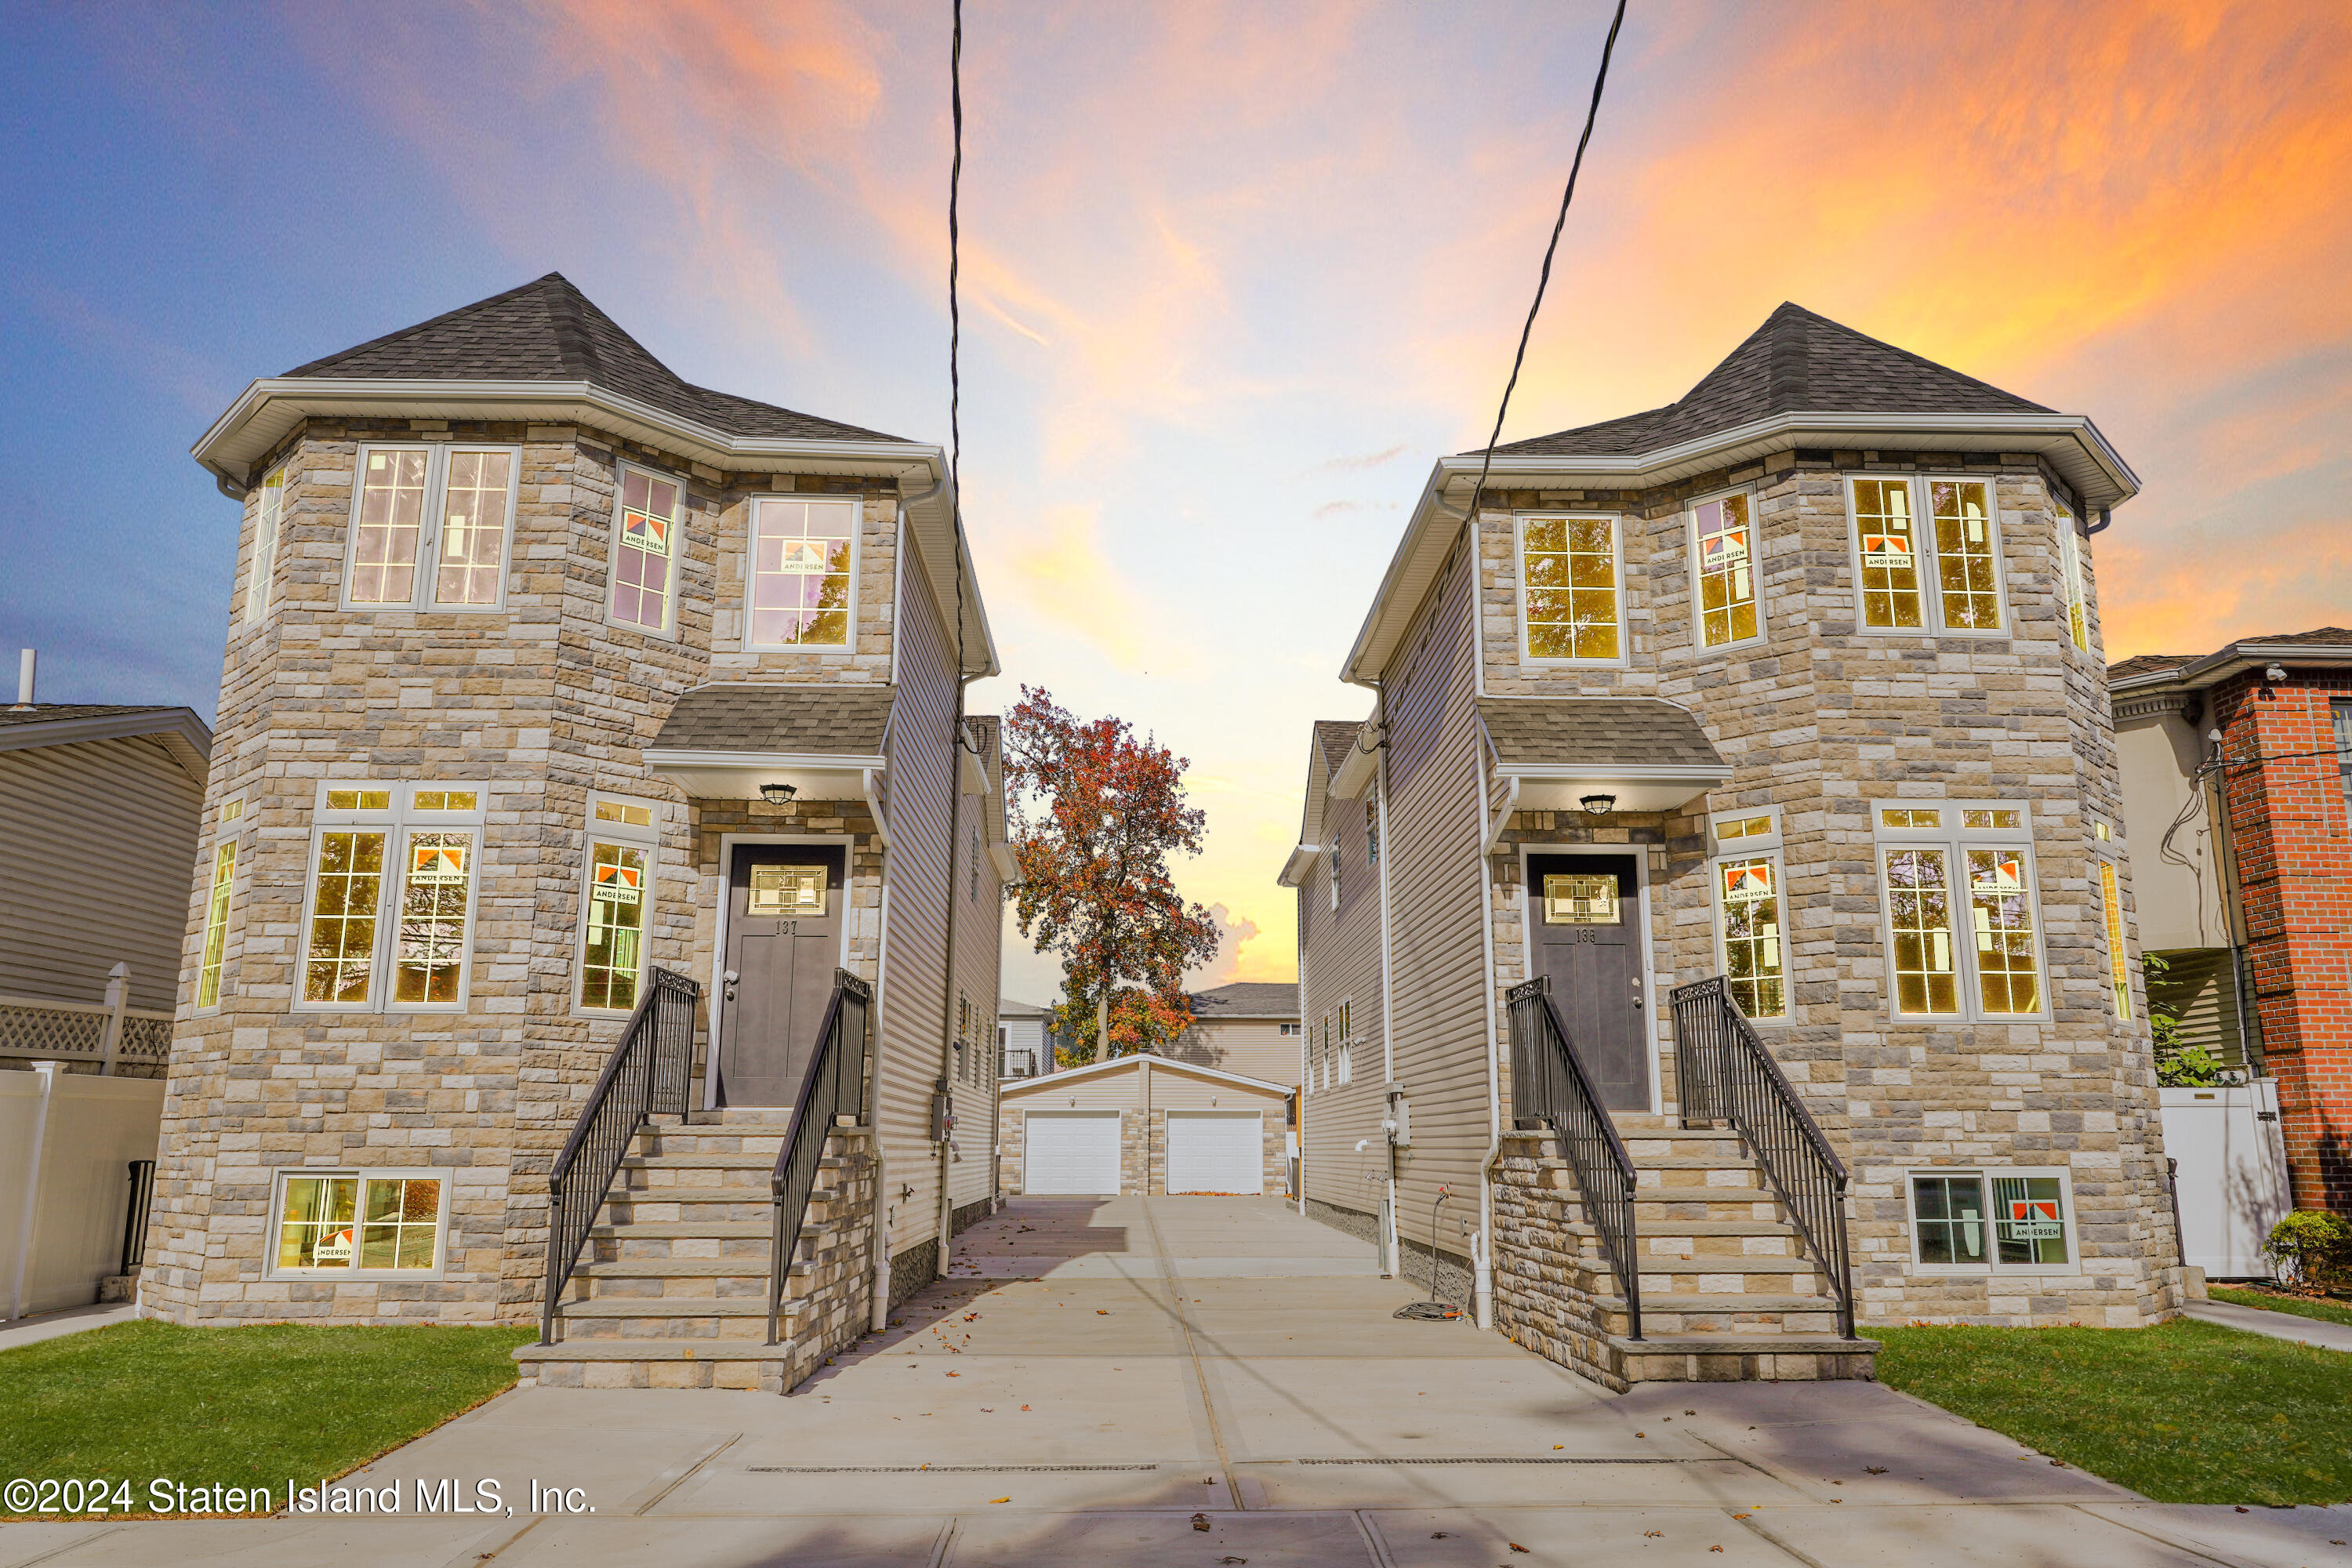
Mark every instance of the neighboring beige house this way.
pixel 97 827
pixel 1024 1044
pixel 1725 901
pixel 573 715
pixel 1250 1028
pixel 1143 1124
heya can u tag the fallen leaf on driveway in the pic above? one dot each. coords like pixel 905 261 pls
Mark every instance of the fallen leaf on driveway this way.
pixel 1200 1522
pixel 1558 1446
pixel 1714 1549
pixel 955 1375
pixel 1515 1546
pixel 1437 1534
pixel 1874 1470
pixel 1024 1408
pixel 1654 1535
pixel 1099 1312
pixel 994 1501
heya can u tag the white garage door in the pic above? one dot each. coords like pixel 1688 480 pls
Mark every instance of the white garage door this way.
pixel 1071 1151
pixel 1215 1151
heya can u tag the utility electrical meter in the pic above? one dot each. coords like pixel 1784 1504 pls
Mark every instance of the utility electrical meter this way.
pixel 942 1112
pixel 1397 1121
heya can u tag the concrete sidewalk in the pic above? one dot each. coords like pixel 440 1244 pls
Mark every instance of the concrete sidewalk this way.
pixel 1134 1381
pixel 42 1326
pixel 2278 1325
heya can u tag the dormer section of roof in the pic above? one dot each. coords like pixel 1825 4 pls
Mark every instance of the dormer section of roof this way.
pixel 1330 753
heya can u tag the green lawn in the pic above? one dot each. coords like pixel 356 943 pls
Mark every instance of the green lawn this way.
pixel 2270 1300
pixel 2186 1412
pixel 243 1407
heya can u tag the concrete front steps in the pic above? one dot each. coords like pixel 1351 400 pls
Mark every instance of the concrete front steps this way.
pixel 1727 1291
pixel 671 1290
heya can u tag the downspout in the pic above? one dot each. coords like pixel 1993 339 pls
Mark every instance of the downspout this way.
pixel 1392 1257
pixel 956 740
pixel 1482 1249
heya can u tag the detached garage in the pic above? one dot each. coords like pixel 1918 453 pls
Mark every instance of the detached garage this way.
pixel 1143 1124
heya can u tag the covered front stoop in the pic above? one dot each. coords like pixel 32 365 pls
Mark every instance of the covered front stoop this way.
pixel 1727 1292
pixel 672 1291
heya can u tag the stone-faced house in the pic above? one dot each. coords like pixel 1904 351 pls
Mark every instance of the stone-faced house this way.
pixel 1739 800
pixel 568 704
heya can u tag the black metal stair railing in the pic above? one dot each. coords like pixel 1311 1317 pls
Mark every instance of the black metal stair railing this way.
pixel 1549 1087
pixel 1725 1072
pixel 835 1085
pixel 646 1075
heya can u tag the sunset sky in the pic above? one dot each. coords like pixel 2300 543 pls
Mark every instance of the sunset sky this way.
pixel 1234 275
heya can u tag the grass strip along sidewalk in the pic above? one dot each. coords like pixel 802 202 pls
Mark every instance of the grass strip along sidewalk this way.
pixel 240 1407
pixel 2279 1302
pixel 2186 1412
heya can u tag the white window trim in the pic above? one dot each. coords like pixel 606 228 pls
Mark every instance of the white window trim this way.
pixel 857 505
pixel 399 821
pixel 268 526
pixel 1765 848
pixel 668 630
pixel 1743 848
pixel 1992 1266
pixel 428 541
pixel 1616 521
pixel 1923 524
pixel 635 836
pixel 1958 840
pixel 442 1173
pixel 1699 644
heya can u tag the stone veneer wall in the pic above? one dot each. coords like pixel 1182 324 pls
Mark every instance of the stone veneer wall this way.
pixel 1541 1299
pixel 837 1292
pixel 534 704
pixel 1819 719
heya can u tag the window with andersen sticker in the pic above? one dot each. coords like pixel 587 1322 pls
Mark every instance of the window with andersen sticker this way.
pixel 1990 1220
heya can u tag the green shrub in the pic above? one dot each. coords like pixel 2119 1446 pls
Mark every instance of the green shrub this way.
pixel 2312 1247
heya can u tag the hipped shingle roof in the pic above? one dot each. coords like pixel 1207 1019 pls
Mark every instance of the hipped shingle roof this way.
pixel 1607 731
pixel 798 720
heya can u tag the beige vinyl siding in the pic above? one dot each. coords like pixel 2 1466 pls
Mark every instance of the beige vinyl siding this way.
pixel 1099 1091
pixel 980 926
pixel 96 867
pixel 1438 889
pixel 911 1048
pixel 1172 1089
pixel 1251 1047
pixel 1344 965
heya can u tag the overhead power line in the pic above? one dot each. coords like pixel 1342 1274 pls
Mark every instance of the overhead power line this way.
pixel 1600 80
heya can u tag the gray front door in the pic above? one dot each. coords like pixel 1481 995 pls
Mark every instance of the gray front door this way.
pixel 783 944
pixel 1585 912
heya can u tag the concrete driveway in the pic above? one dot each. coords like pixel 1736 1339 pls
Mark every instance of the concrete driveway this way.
pixel 1213 1382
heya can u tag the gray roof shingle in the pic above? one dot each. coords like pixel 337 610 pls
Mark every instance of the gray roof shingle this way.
pixel 58 712
pixel 804 720
pixel 1248 999
pixel 1333 737
pixel 1609 732
pixel 1795 363
pixel 549 331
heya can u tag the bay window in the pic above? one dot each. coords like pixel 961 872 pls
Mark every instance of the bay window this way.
pixel 1962 931
pixel 1750 924
pixel 802 570
pixel 430 527
pixel 1572 606
pixel 390 898
pixel 1942 578
pixel 643 591
pixel 1723 563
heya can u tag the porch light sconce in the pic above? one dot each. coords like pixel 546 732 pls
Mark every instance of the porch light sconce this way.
pixel 779 794
pixel 1597 804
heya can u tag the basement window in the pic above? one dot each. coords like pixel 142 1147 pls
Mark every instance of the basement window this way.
pixel 430 527
pixel 2016 1221
pixel 365 1223
pixel 1939 572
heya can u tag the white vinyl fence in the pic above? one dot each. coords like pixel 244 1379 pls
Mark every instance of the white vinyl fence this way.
pixel 2230 1177
pixel 68 1142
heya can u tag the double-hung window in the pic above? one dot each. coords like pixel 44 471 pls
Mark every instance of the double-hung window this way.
pixel 1723 570
pixel 643 594
pixel 390 906
pixel 217 900
pixel 430 527
pixel 1926 554
pixel 2070 569
pixel 2339 718
pixel 341 1222
pixel 1750 925
pixel 1994 1221
pixel 1963 937
pixel 617 896
pixel 803 571
pixel 1571 589
pixel 270 517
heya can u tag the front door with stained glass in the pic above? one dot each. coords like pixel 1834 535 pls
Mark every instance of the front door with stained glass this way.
pixel 783 944
pixel 1584 927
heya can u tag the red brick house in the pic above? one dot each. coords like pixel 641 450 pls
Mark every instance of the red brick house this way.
pixel 2259 738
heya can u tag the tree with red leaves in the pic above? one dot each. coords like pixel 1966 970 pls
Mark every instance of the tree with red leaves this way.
pixel 1102 813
